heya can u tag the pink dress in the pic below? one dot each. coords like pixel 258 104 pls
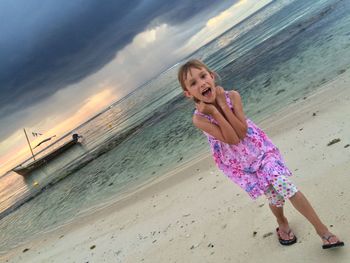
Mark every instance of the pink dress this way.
pixel 253 164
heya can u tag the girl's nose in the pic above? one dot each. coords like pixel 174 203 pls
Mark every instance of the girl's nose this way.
pixel 201 83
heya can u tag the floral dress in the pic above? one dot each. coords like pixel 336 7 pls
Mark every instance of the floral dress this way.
pixel 253 164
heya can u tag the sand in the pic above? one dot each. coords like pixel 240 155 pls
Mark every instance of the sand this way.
pixel 196 214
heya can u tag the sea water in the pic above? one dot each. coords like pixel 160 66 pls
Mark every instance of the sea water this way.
pixel 277 56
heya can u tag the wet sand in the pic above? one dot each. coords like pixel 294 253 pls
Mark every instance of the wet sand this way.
pixel 196 214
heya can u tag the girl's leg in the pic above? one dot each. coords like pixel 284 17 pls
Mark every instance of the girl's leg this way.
pixel 300 203
pixel 276 202
pixel 282 221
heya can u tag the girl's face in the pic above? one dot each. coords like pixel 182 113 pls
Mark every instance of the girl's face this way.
pixel 200 85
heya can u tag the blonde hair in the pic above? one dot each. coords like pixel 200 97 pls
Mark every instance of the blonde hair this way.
pixel 185 68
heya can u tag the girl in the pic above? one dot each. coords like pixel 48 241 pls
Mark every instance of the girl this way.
pixel 243 151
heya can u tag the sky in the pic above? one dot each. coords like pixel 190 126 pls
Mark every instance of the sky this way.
pixel 64 61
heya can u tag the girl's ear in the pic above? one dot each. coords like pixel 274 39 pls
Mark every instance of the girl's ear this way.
pixel 187 94
pixel 213 75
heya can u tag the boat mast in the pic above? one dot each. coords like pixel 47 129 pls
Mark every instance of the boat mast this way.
pixel 30 147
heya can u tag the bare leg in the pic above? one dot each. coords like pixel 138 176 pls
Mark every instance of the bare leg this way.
pixel 282 222
pixel 300 203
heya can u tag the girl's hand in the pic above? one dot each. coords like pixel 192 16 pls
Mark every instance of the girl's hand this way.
pixel 220 96
pixel 206 108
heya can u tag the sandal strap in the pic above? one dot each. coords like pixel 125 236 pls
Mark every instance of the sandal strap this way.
pixel 288 233
pixel 328 237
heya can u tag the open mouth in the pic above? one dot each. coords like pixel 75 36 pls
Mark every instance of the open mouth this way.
pixel 206 92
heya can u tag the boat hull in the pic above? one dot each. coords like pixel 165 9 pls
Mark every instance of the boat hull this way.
pixel 25 170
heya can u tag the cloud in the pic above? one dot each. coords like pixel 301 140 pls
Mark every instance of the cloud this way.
pixel 58 56
pixel 46 46
pixel 126 71
pixel 222 22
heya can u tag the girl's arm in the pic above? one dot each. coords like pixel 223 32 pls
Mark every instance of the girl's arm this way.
pixel 223 131
pixel 237 118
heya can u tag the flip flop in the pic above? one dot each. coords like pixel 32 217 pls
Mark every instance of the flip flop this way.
pixel 286 242
pixel 331 245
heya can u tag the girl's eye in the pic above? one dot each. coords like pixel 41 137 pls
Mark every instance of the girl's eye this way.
pixel 203 76
pixel 192 83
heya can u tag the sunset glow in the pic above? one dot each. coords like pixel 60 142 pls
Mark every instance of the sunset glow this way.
pixel 18 150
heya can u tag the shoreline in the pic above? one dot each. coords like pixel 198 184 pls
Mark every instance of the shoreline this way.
pixel 194 213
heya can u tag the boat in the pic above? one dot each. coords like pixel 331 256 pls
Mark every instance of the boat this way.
pixel 37 163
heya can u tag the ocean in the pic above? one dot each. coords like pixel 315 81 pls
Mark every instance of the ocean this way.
pixel 277 56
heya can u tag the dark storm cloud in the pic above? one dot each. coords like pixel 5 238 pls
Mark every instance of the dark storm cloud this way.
pixel 47 45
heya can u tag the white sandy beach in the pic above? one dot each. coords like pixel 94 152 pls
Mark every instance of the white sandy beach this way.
pixel 196 214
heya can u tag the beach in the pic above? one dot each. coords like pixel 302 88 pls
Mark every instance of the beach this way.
pixel 285 52
pixel 195 214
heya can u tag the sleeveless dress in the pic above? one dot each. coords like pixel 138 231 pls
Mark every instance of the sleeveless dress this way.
pixel 254 164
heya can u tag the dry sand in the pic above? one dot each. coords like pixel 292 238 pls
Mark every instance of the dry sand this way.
pixel 196 214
